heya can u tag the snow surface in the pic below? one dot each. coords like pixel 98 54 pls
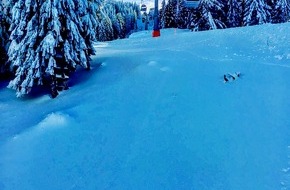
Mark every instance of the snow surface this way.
pixel 157 115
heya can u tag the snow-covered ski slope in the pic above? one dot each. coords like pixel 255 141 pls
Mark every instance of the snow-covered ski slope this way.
pixel 157 115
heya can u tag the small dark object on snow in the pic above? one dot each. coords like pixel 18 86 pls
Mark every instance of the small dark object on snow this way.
pixel 226 79
pixel 231 77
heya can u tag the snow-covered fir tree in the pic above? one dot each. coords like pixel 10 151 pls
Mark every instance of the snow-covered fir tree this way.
pixel 162 14
pixel 49 38
pixel 183 15
pixel 90 23
pixel 281 11
pixel 234 13
pixel 130 18
pixel 256 12
pixel 169 17
pixel 4 36
pixel 2 40
pixel 210 15
pixel 271 4
pixel 118 24
pixel 105 30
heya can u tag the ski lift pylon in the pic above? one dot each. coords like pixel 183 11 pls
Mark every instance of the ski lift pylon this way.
pixel 191 3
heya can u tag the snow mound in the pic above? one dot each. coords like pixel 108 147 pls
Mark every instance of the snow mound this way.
pixel 54 120
pixel 152 63
pixel 51 121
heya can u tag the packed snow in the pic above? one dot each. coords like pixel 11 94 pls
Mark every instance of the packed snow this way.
pixel 157 114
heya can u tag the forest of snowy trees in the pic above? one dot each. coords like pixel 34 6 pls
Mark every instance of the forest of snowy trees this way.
pixel 218 14
pixel 43 41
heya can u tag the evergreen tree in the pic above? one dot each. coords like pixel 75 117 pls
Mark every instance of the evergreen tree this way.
pixel 130 15
pixel 162 14
pixel 90 23
pixel 4 36
pixel 118 24
pixel 256 12
pixel 281 11
pixel 3 41
pixel 210 15
pixel 183 15
pixel 130 22
pixel 105 29
pixel 49 38
pixel 169 17
pixel 234 13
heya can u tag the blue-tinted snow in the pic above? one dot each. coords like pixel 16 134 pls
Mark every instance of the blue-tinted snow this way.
pixel 157 115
